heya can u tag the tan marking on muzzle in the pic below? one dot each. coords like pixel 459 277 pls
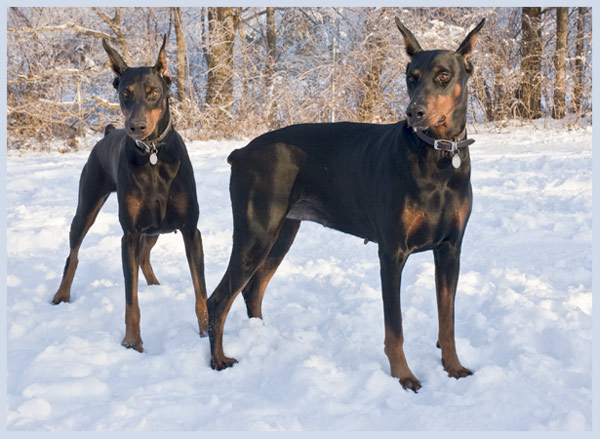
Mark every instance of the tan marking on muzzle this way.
pixel 442 106
pixel 152 118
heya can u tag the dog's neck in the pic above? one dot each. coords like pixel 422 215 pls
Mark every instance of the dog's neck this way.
pixel 451 145
pixel 163 125
pixel 150 146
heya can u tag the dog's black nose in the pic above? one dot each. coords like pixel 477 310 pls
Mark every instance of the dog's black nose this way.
pixel 137 126
pixel 416 112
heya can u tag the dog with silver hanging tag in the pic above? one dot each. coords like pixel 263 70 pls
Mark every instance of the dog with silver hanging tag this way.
pixel 402 186
pixel 155 199
pixel 151 150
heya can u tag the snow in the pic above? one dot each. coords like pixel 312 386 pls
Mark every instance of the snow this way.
pixel 316 362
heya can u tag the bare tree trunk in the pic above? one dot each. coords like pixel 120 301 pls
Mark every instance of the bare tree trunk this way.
pixel 530 92
pixel 560 64
pixel 375 48
pixel 221 34
pixel 579 60
pixel 181 51
pixel 270 68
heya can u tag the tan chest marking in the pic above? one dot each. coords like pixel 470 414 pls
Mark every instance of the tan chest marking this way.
pixel 412 219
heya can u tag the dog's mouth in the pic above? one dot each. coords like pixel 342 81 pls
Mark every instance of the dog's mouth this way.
pixel 138 134
pixel 425 124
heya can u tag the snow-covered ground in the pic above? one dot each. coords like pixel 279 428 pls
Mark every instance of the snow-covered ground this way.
pixel 524 311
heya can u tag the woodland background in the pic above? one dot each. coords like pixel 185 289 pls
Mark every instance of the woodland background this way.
pixel 240 71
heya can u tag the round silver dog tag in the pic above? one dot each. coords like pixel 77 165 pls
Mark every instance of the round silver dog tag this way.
pixel 154 159
pixel 456 161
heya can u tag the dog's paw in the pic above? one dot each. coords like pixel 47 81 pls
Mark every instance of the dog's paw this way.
pixel 410 383
pixel 222 363
pixel 456 371
pixel 203 324
pixel 60 297
pixel 460 372
pixel 133 344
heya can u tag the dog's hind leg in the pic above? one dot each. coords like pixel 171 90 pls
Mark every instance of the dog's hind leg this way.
pixel 249 251
pixel 195 256
pixel 146 244
pixel 247 255
pixel 254 291
pixel 260 187
pixel 94 189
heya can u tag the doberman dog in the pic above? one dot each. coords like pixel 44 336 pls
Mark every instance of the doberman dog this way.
pixel 405 186
pixel 147 164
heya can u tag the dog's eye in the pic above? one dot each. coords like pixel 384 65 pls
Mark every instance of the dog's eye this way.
pixel 153 93
pixel 411 79
pixel 444 77
pixel 126 94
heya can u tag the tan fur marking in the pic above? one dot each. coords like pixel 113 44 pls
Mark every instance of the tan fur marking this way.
pixel 463 213
pixel 438 106
pixel 134 207
pixel 412 219
pixel 472 43
pixel 153 118
pixel 457 90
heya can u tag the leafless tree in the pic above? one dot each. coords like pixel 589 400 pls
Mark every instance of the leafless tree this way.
pixel 580 60
pixel 244 70
pixel 560 64
pixel 530 92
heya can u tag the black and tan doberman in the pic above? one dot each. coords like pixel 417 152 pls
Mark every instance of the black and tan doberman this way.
pixel 405 186
pixel 147 164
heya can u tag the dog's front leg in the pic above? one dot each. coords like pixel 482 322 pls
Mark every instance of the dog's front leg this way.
pixel 392 263
pixel 195 256
pixel 130 255
pixel 447 267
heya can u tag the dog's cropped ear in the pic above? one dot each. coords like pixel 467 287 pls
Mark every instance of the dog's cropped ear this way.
pixel 466 47
pixel 411 43
pixel 117 63
pixel 161 63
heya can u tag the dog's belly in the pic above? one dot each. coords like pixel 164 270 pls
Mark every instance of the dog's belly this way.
pixel 160 230
pixel 309 210
pixel 334 217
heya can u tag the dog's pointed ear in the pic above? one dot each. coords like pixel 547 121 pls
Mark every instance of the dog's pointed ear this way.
pixel 466 47
pixel 116 61
pixel 161 63
pixel 411 43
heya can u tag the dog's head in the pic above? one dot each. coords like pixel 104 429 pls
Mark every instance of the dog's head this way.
pixel 437 85
pixel 143 93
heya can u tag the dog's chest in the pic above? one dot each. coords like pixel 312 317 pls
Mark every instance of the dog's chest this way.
pixel 435 216
pixel 157 190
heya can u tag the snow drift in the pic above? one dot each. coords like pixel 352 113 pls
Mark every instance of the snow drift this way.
pixel 316 362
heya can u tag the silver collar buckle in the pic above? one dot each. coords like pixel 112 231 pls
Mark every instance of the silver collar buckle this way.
pixel 445 145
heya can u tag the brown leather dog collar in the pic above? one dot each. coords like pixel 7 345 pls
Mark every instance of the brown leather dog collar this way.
pixel 446 144
pixel 151 148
